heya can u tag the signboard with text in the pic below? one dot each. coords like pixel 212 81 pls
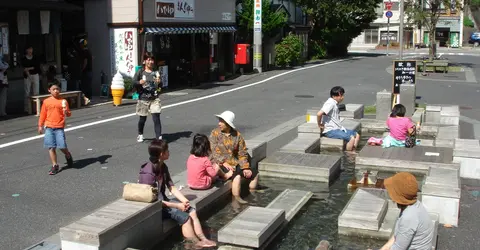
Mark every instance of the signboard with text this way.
pixel 257 16
pixel 181 9
pixel 124 50
pixel 403 72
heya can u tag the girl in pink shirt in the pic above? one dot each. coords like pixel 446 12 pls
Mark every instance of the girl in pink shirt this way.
pixel 400 126
pixel 200 171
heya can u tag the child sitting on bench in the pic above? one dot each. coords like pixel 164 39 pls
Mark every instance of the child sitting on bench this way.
pixel 400 128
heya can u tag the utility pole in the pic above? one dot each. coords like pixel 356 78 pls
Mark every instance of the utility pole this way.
pixel 257 35
pixel 400 32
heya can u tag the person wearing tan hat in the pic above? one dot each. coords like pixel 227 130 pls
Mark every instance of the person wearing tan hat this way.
pixel 414 228
pixel 229 152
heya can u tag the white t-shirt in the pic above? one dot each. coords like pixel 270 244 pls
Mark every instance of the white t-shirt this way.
pixel 331 118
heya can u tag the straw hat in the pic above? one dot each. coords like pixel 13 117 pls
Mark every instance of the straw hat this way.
pixel 228 117
pixel 402 188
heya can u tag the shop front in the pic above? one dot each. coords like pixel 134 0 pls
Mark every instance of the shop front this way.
pixel 192 40
pixel 40 25
pixel 447 32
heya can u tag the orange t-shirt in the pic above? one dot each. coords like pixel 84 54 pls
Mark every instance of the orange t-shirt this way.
pixel 52 115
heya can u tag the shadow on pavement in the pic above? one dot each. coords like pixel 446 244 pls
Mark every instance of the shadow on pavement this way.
pixel 82 163
pixel 173 136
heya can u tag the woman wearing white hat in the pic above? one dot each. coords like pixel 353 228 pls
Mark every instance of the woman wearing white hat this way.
pixel 230 152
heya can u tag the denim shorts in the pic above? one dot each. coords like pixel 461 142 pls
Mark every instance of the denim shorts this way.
pixel 340 134
pixel 177 215
pixel 54 138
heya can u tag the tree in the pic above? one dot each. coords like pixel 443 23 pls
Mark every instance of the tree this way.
pixel 426 13
pixel 271 21
pixel 336 22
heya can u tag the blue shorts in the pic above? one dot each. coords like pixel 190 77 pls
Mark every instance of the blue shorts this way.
pixel 54 138
pixel 340 134
pixel 177 215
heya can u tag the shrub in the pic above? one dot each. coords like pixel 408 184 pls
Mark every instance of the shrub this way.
pixel 288 51
pixel 468 22
pixel 317 51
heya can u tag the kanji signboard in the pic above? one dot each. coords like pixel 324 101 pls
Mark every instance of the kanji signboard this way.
pixel 257 16
pixel 403 72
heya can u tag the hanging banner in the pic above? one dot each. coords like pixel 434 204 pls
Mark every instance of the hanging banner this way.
pixel 257 16
pixel 23 22
pixel 124 50
pixel 45 21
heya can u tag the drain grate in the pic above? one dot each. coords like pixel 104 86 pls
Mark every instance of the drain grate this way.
pixel 304 96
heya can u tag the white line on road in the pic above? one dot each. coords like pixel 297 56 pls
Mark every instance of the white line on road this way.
pixel 176 104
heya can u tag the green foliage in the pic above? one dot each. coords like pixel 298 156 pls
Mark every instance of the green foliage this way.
pixel 128 83
pixel 288 51
pixel 271 21
pixel 317 51
pixel 468 22
pixel 337 22
pixel 475 3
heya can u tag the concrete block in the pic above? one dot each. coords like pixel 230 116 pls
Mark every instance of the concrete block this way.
pixel 329 144
pixel 444 177
pixel 435 217
pixel 312 114
pixel 383 105
pixel 467 144
pixel 309 167
pixel 364 211
pixel 446 208
pixel 353 111
pixel 432 114
pixel 426 142
pixel 469 167
pixel 428 130
pixel 304 143
pixel 443 143
pixel 417 117
pixel 252 227
pixel 450 111
pixel 257 151
pixel 408 97
pixel 280 135
pixel 433 108
pixel 373 126
pixel 311 128
pixel 291 201
pixel 449 120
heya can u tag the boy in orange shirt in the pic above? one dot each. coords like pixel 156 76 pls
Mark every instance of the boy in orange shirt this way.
pixel 52 117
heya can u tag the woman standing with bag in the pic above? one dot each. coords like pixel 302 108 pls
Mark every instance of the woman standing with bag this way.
pixel 147 84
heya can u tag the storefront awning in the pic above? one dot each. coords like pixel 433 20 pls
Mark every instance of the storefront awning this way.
pixel 188 30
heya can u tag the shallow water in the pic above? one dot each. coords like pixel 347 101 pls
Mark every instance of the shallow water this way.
pixel 316 221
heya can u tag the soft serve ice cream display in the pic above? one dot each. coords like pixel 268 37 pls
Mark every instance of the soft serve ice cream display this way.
pixel 118 88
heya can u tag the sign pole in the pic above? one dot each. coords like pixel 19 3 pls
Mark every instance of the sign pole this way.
pixel 400 35
pixel 389 15
pixel 257 35
pixel 388 34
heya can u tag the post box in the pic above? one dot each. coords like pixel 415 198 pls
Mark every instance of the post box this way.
pixel 242 54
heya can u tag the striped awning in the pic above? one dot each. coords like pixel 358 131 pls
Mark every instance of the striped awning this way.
pixel 189 30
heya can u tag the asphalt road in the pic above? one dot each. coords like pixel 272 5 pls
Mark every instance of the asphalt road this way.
pixel 107 154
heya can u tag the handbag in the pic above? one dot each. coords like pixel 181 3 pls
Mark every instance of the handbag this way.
pixel 140 192
pixel 411 139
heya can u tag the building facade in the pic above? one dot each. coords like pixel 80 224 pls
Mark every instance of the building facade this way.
pixel 449 30
pixel 46 26
pixel 192 40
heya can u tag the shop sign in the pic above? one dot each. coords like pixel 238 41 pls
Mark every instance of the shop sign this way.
pixel 124 50
pixel 257 17
pixel 226 16
pixel 182 9
pixel 392 36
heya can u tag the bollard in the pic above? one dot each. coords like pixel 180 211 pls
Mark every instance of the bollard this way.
pixel 384 105
pixel 408 97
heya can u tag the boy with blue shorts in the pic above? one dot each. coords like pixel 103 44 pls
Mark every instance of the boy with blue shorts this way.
pixel 52 122
pixel 328 119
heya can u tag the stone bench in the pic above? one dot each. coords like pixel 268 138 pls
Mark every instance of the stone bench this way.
pixel 272 140
pixel 352 111
pixel 308 167
pixel 326 143
pixel 123 224
pixel 467 153
pixel 415 160
pixel 368 213
pixel 443 115
pixel 38 99
pixel 290 201
pixel 441 194
pixel 304 143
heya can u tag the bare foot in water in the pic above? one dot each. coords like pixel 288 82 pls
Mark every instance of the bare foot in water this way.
pixel 240 200
pixel 207 243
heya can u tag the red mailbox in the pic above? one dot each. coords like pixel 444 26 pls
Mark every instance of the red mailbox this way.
pixel 242 54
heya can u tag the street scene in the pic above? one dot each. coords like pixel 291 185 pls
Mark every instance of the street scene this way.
pixel 186 127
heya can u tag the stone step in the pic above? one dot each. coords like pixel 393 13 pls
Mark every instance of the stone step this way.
pixel 291 201
pixel 252 227
pixel 364 211
pixel 330 144
pixel 304 143
pixel 310 167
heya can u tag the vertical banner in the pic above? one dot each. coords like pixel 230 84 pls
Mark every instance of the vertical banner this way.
pixel 45 21
pixel 124 50
pixel 257 17
pixel 23 22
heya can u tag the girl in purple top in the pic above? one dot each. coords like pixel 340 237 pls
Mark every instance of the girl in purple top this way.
pixel 156 174
pixel 399 126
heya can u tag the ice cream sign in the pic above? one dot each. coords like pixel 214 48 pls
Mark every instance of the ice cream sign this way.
pixel 257 17
pixel 124 50
pixel 174 9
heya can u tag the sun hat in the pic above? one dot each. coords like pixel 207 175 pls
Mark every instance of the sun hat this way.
pixel 228 117
pixel 402 188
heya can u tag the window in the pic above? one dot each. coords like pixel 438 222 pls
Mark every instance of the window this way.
pixel 371 36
